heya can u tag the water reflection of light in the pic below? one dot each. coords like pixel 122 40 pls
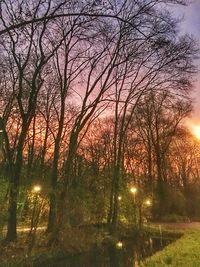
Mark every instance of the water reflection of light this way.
pixel 119 244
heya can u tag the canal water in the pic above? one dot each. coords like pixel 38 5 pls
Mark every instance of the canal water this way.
pixel 126 254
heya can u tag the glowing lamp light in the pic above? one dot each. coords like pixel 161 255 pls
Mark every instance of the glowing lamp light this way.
pixel 119 197
pixel 133 190
pixel 119 245
pixel 148 202
pixel 37 188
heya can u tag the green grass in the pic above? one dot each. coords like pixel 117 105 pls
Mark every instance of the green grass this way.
pixel 185 252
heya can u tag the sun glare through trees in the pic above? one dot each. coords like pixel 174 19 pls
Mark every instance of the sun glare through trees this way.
pixel 197 132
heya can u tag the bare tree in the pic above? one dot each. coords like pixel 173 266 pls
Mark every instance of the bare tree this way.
pixel 98 53
pixel 158 118
pixel 29 50
pixel 155 61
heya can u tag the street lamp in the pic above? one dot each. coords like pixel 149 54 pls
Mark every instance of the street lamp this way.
pixel 133 191
pixel 36 209
pixel 37 188
pixel 148 202
pixel 119 198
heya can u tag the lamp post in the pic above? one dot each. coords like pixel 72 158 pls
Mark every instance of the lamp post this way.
pixel 36 190
pixel 35 216
pixel 146 203
pixel 119 198
pixel 133 191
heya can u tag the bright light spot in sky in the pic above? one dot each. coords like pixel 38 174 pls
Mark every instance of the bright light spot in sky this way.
pixel 197 131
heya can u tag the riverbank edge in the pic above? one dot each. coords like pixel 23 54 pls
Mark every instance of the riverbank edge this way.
pixel 57 254
pixel 184 252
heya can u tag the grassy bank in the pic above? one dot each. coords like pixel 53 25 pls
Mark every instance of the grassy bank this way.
pixel 182 253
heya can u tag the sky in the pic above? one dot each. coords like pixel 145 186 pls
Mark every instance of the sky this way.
pixel 191 25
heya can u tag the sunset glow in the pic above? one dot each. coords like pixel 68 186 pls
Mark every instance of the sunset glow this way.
pixel 99 133
pixel 197 132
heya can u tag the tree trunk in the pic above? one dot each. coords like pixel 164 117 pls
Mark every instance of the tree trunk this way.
pixel 54 175
pixel 54 178
pixel 59 209
pixel 12 210
pixel 116 180
pixel 31 151
pixel 160 188
pixel 14 188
